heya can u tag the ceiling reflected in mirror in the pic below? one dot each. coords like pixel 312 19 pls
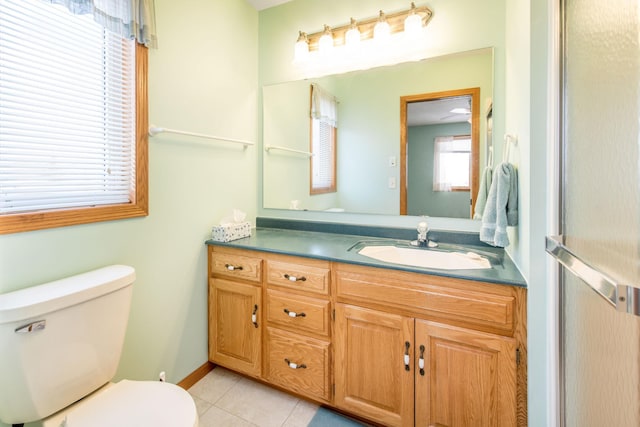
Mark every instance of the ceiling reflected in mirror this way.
pixel 446 110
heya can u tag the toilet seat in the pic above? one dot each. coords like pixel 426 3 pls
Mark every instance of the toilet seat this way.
pixel 130 404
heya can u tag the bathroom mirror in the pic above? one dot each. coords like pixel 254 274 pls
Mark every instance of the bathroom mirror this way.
pixel 368 132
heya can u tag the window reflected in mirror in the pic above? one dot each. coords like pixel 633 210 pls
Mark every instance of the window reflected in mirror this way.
pixel 451 163
pixel 324 131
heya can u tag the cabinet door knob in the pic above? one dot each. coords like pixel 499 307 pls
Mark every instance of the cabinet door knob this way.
pixel 231 267
pixel 295 365
pixel 295 278
pixel 421 360
pixel 254 316
pixel 407 345
pixel 293 313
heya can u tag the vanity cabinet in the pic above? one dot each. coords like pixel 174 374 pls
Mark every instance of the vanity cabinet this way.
pixel 392 368
pixel 468 377
pixel 370 372
pixel 270 318
pixel 394 347
pixel 298 318
pixel 421 350
pixel 235 304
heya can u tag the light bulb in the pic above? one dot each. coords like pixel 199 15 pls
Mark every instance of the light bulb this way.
pixel 382 31
pixel 413 23
pixel 352 36
pixel 302 47
pixel 325 43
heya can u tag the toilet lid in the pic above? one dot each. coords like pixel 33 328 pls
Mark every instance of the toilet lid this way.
pixel 132 404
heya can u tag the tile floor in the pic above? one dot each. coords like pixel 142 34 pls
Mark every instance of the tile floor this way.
pixel 224 398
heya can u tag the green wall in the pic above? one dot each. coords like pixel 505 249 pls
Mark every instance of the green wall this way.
pixel 202 78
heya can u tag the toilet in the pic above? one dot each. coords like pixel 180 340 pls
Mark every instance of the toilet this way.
pixel 61 344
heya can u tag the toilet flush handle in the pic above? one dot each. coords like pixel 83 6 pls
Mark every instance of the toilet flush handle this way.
pixel 32 327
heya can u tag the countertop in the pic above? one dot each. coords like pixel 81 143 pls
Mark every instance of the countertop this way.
pixel 335 247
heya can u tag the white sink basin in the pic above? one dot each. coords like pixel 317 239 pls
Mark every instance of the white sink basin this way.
pixel 426 258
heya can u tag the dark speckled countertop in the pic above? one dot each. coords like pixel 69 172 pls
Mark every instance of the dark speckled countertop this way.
pixel 334 246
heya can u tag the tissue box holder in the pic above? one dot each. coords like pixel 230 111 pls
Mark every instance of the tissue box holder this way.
pixel 229 232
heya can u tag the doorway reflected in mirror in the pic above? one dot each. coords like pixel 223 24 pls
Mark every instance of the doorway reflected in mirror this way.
pixel 439 153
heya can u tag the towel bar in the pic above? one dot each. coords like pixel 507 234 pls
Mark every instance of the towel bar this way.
pixel 277 147
pixel 624 298
pixel 154 130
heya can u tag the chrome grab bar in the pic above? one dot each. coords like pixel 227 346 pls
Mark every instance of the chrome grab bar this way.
pixel 624 298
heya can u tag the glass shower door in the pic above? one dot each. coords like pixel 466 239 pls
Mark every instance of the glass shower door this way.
pixel 600 214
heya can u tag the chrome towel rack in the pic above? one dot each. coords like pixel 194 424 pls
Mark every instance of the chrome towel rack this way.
pixel 155 130
pixel 624 298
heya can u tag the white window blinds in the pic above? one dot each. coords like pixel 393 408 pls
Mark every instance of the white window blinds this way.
pixel 67 110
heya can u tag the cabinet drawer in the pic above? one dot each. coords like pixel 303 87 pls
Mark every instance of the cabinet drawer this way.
pixel 238 266
pixel 298 363
pixel 298 313
pixel 448 300
pixel 298 276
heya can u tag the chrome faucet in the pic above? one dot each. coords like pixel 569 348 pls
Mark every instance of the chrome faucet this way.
pixel 423 231
pixel 423 237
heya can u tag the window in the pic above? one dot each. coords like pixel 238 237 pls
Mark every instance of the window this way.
pixel 73 120
pixel 452 162
pixel 324 130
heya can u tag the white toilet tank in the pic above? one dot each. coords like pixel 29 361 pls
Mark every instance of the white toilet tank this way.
pixel 61 341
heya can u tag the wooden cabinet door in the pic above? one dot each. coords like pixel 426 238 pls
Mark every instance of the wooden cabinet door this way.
pixel 234 325
pixel 370 375
pixel 469 377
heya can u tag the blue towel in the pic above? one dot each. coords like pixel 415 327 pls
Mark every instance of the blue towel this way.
pixel 501 209
pixel 483 192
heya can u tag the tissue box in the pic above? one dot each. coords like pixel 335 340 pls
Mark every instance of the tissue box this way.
pixel 228 232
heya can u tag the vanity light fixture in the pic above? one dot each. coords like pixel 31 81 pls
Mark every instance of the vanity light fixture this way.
pixel 325 43
pixel 352 36
pixel 302 47
pixel 412 23
pixel 382 31
pixel 380 28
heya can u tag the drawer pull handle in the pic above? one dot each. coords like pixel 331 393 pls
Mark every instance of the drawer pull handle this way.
pixel 294 314
pixel 254 316
pixel 421 360
pixel 294 278
pixel 406 355
pixel 231 267
pixel 295 365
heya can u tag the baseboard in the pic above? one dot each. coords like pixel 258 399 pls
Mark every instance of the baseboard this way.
pixel 196 375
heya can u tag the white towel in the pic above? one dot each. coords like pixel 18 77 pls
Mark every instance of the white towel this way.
pixel 483 192
pixel 501 209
